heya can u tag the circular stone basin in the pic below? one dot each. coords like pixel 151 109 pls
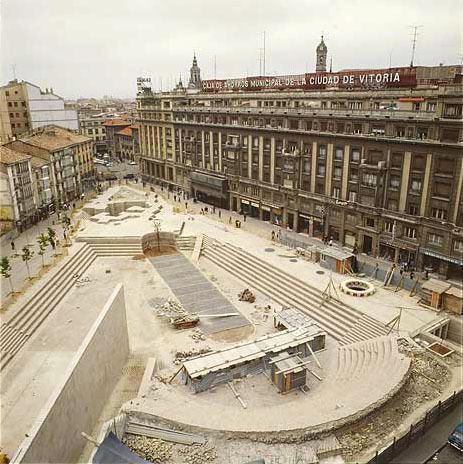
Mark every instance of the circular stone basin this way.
pixel 269 250
pixel 357 287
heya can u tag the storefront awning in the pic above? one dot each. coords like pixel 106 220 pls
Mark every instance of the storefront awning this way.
pixel 449 259
pixel 212 182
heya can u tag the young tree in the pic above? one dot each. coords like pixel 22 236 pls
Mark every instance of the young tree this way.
pixel 51 234
pixel 43 241
pixel 66 222
pixel 26 257
pixel 5 270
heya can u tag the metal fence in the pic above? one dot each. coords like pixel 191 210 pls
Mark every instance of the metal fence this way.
pixel 416 430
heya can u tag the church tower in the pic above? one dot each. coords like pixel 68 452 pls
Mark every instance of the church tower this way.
pixel 322 51
pixel 195 75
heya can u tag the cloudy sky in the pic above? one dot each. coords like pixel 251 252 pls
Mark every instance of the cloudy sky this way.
pixel 99 47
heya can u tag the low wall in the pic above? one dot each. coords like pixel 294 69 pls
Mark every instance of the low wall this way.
pixel 455 332
pixel 152 241
pixel 77 402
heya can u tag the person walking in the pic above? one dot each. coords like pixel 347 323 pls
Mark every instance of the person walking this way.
pixel 12 245
pixel 273 235
pixel 220 214
pixel 244 217
pixel 229 219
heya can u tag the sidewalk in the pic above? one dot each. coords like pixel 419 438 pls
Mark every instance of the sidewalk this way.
pixel 19 276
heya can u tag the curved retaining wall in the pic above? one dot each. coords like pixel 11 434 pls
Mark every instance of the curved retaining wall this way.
pixel 166 240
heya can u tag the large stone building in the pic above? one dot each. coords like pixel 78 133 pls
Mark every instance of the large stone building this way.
pixel 24 107
pixel 112 126
pixel 93 127
pixel 372 158
pixel 70 157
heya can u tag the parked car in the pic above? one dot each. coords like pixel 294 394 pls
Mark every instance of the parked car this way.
pixel 456 437
pixel 133 163
pixel 129 176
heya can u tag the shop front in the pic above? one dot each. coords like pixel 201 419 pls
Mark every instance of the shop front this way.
pixel 310 225
pixel 398 250
pixel 209 189
pixel 449 267
pixel 250 208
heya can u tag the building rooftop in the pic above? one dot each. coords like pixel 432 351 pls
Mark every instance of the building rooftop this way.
pixel 54 138
pixel 126 131
pixel 116 122
pixel 8 156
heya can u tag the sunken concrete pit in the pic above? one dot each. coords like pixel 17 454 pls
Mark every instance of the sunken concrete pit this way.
pixel 357 287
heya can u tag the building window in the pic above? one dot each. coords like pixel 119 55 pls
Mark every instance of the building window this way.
pixel 338 154
pixel 410 232
pixel 321 170
pixel 322 151
pixel 355 155
pixel 458 246
pixel 435 239
pixel 369 180
pixel 336 192
pixel 354 175
pixel 351 218
pixel 413 210
pixel 439 213
pixel 337 173
pixel 416 185
pixel 392 205
pixel 388 227
pixel 370 222
pixel 431 106
pixel 353 196
pixel 394 182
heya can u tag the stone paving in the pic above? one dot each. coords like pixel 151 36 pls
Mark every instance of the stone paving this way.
pixel 197 294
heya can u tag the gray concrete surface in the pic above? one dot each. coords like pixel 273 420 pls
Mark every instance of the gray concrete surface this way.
pixel 197 294
pixel 80 397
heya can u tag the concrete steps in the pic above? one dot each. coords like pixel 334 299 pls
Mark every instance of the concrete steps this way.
pixel 29 317
pixel 186 243
pixel 114 246
pixel 335 317
pixel 282 288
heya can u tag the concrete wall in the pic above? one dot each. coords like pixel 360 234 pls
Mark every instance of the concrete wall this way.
pixel 77 402
pixel 455 332
pixel 150 241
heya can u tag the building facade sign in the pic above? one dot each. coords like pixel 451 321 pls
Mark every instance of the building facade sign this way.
pixel 379 78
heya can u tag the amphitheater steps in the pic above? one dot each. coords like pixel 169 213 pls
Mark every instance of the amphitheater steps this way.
pixel 277 294
pixel 335 317
pixel 365 328
pixel 185 243
pixel 29 317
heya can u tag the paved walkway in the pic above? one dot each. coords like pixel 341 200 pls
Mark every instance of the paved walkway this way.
pixel 19 275
pixel 196 293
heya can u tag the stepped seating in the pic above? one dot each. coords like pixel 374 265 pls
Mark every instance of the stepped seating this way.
pixel 335 317
pixel 377 359
pixel 114 246
pixel 29 317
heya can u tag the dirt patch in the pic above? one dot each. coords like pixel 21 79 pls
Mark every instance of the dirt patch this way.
pixel 165 250
pixel 233 335
pixel 427 381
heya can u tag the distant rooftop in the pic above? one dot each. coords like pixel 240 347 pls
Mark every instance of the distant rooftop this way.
pixel 8 156
pixel 54 138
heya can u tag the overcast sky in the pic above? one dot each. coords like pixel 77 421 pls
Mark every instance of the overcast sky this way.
pixel 85 48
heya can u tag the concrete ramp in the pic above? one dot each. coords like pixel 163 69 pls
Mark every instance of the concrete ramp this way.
pixel 197 294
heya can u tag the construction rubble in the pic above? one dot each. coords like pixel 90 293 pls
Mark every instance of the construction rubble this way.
pixel 247 295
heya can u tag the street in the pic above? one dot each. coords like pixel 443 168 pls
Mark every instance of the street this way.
pixel 432 440
pixel 119 169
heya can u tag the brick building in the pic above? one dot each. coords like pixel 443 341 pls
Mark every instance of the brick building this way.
pixel 372 158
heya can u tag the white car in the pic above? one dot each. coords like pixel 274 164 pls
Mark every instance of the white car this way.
pixel 133 163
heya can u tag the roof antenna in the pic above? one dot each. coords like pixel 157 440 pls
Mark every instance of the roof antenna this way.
pixel 415 35
pixel 13 68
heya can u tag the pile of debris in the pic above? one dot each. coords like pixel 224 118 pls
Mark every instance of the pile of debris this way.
pixel 151 449
pixel 197 335
pixel 247 295
pixel 169 308
pixel 198 454
pixel 181 356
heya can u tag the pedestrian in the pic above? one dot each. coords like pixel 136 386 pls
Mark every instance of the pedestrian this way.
pixel 64 234
pixel 52 243
pixel 244 217
pixel 229 219
pixel 278 236
pixel 12 245
pixel 202 211
pixel 186 205
pixel 175 198
pixel 273 235
pixel 412 275
pixel 220 214
pixel 426 274
pixel 330 243
pixel 401 271
pixel 213 209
